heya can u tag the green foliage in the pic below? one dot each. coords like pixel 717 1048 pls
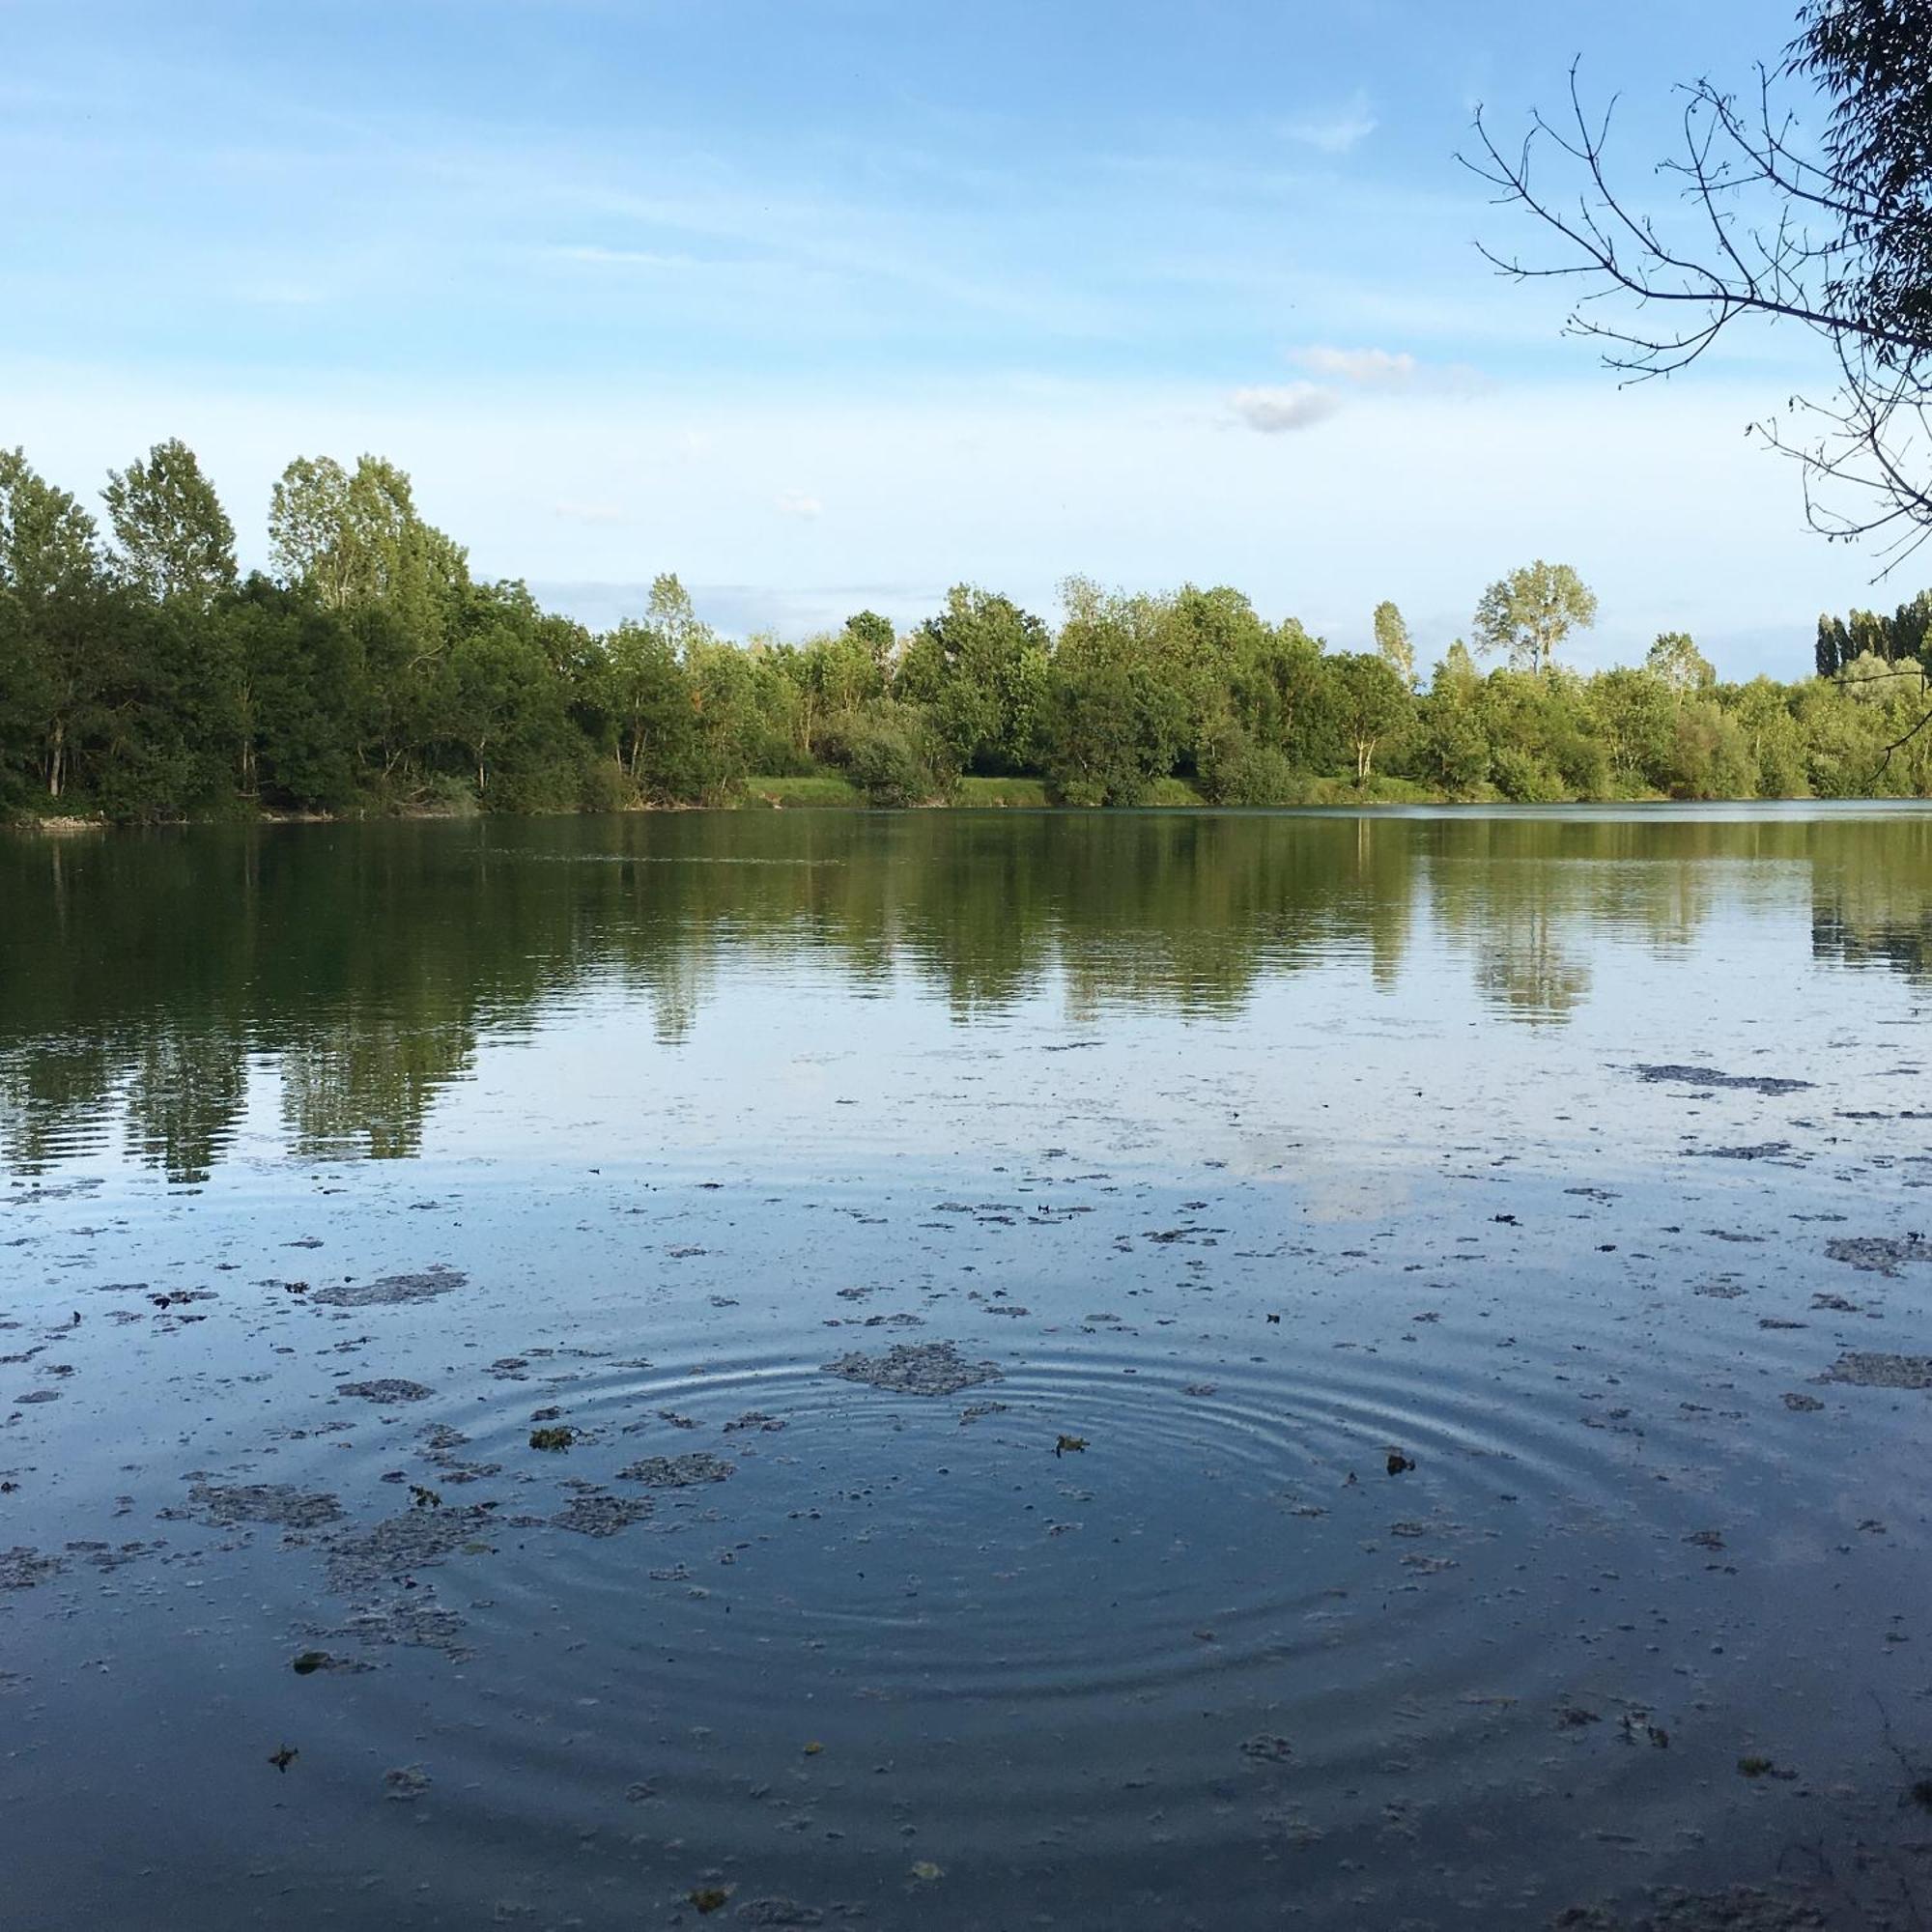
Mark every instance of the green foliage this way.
pixel 1370 703
pixel 1392 642
pixel 897 756
pixel 980 668
pixel 1529 612
pixel 173 538
pixel 375 675
pixel 1677 662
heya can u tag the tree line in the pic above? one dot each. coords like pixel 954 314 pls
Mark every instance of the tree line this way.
pixel 143 677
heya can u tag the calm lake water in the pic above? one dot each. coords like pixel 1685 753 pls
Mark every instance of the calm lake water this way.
pixel 997 1271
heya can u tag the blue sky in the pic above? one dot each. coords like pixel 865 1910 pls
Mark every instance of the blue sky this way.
pixel 830 302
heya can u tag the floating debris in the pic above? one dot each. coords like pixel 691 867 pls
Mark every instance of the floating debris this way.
pixel 1067 1444
pixel 916 1367
pixel 555 1437
pixel 678 1473
pixel 224 1505
pixel 1879 1254
pixel 405 1784
pixel 391 1289
pixel 602 1514
pixel 1400 1465
pixel 1865 1370
pixel 21 1568
pixel 282 1756
pixel 1265 1747
pixel 388 1389
pixel 1710 1077
pixel 778 1911
pixel 386 1550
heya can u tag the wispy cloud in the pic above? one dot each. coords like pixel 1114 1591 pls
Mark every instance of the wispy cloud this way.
pixel 1276 411
pixel 1366 368
pixel 796 503
pixel 623 258
pixel 1336 129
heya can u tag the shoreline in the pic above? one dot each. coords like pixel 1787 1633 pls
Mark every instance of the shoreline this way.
pixel 987 795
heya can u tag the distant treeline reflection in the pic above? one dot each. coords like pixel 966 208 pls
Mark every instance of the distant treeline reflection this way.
pixel 141 977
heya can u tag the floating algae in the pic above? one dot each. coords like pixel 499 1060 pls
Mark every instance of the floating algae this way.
pixel 678 1473
pixel 1867 1370
pixel 224 1505
pixel 916 1367
pixel 602 1514
pixel 389 1388
pixel 391 1289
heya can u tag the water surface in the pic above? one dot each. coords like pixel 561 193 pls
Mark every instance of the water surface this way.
pixel 1569 1157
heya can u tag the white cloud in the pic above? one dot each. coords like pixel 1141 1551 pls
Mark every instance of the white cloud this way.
pixel 1370 368
pixel 1273 411
pixel 1337 129
pixel 796 503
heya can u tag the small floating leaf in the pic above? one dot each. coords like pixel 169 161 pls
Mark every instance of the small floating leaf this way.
pixel 310 1662
pixel 562 1436
pixel 283 1757
pixel 710 1897
pixel 925 1870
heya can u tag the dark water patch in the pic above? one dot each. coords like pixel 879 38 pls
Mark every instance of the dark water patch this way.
pixel 1739 1909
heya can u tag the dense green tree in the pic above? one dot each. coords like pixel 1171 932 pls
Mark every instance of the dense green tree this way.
pixel 52 608
pixel 173 539
pixel 875 634
pixel 1679 663
pixel 980 668
pixel 1392 641
pixel 1372 703
pixel 1530 613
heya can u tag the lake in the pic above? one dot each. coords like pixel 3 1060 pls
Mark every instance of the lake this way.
pixel 1127 1370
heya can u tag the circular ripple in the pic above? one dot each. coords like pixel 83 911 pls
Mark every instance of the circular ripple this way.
pixel 1223 1597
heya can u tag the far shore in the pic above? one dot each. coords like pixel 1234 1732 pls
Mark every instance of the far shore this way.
pixel 828 791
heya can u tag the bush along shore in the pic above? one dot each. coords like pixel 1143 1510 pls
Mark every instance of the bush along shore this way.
pixel 144 677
